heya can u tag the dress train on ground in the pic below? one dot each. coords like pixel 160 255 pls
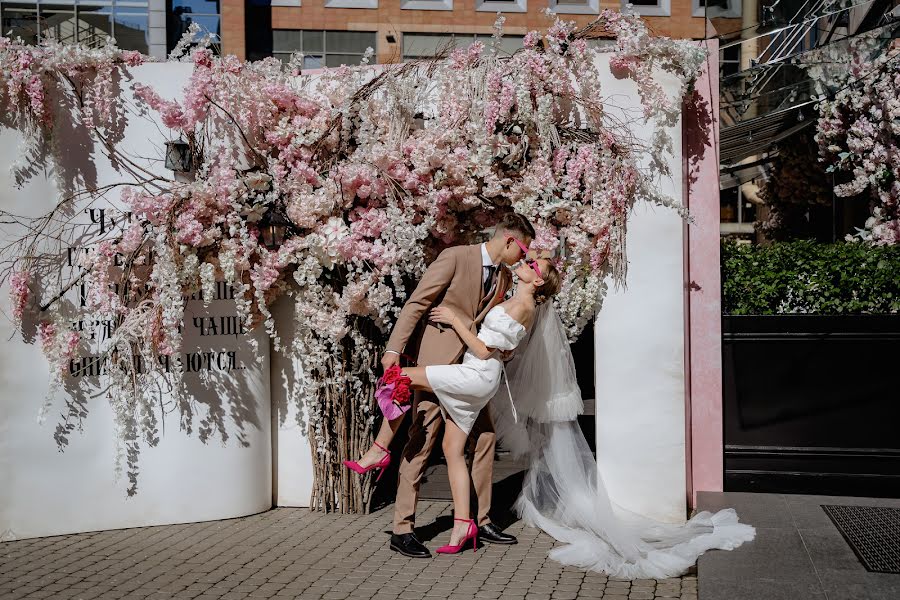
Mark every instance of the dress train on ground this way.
pixel 564 496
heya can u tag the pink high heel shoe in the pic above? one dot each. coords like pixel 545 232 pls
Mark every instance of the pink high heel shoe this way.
pixel 381 465
pixel 471 534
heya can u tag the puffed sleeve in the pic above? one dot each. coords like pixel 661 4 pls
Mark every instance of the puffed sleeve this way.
pixel 500 334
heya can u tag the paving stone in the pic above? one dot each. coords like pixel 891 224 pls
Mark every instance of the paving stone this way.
pixel 618 585
pixel 295 553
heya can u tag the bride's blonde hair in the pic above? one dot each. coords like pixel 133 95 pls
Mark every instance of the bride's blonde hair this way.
pixel 552 283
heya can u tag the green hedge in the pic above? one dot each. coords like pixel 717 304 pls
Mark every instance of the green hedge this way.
pixel 809 277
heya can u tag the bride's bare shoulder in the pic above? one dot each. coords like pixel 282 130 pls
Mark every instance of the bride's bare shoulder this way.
pixel 519 311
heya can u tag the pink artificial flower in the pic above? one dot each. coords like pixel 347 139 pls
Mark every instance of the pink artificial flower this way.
pixel 265 273
pixel 131 239
pixel 132 58
pixel 462 58
pixel 546 238
pixel 47 337
pixel 189 229
pixel 144 205
pixel 203 57
pixel 19 292
pixel 35 91
pixel 369 222
pixel 72 339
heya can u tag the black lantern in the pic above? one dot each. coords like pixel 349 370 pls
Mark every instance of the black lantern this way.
pixel 179 157
pixel 274 227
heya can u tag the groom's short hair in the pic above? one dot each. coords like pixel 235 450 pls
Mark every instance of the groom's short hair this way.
pixel 515 223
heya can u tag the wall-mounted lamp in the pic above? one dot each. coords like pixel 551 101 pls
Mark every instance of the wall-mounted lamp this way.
pixel 179 157
pixel 391 39
pixel 274 227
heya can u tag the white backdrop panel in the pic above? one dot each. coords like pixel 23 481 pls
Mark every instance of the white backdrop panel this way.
pixel 292 452
pixel 639 344
pixel 46 492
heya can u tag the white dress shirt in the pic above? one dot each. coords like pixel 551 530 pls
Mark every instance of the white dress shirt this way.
pixel 486 268
pixel 486 262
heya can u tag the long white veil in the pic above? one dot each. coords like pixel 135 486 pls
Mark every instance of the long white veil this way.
pixel 563 493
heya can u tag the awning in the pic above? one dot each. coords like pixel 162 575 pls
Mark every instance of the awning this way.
pixel 759 134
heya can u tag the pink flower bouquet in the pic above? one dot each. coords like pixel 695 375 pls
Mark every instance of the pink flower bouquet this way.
pixel 393 393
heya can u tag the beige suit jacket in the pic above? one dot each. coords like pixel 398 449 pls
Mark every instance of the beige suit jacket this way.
pixel 453 280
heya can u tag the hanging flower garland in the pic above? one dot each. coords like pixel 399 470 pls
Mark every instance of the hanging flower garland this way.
pixel 365 174
pixel 858 130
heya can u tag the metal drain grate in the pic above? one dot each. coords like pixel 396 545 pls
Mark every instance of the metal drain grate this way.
pixel 873 532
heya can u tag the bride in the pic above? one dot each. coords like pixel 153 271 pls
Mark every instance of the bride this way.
pixel 563 493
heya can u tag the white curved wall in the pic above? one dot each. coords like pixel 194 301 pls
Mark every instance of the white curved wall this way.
pixel 47 492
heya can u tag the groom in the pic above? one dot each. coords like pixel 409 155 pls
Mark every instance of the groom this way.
pixel 470 280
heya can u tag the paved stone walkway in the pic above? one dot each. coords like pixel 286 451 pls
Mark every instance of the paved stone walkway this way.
pixel 293 553
pixel 798 553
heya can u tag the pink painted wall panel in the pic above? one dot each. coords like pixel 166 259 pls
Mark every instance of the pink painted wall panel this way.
pixel 703 321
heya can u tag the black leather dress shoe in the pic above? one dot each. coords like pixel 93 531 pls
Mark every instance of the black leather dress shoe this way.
pixel 489 533
pixel 408 545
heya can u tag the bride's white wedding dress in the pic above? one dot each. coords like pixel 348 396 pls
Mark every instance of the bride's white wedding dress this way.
pixel 563 493
pixel 464 389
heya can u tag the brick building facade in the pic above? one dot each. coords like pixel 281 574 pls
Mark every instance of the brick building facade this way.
pixel 401 28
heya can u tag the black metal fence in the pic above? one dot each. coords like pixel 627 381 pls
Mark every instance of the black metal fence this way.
pixel 812 404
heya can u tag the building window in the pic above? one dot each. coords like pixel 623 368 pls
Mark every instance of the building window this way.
pixel 129 27
pixel 716 8
pixel 502 5
pixel 604 44
pixel 425 45
pixel 58 22
pixel 85 23
pixel 322 48
pixel 651 8
pixel 575 7
pixel 426 4
pixel 736 213
pixel 351 3
pixel 729 61
pixel 182 13
pixel 20 21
